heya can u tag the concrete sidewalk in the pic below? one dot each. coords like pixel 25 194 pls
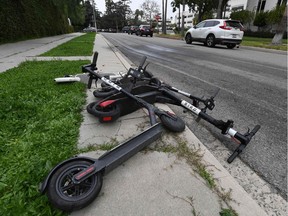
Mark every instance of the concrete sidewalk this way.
pixel 154 181
pixel 12 54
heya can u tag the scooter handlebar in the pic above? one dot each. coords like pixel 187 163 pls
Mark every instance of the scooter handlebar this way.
pixel 240 148
pixel 95 57
pixel 142 61
pixel 253 132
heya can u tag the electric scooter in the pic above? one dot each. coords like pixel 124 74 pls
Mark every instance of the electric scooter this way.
pixel 76 182
pixel 110 109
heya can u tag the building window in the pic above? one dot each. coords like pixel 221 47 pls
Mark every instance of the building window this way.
pixel 281 2
pixel 238 8
pixel 261 5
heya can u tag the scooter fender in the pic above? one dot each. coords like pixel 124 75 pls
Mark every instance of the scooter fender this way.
pixel 67 79
pixel 43 185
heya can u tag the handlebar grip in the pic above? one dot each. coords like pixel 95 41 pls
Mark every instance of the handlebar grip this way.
pixel 216 92
pixel 243 145
pixel 89 82
pixel 255 129
pixel 233 156
pixel 142 61
pixel 95 57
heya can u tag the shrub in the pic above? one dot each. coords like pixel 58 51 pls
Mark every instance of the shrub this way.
pixel 243 16
pixel 261 19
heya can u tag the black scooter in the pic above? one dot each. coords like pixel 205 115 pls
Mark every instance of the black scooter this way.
pixel 109 109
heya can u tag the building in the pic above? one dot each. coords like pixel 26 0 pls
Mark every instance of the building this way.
pixel 253 5
pixel 188 19
pixel 233 5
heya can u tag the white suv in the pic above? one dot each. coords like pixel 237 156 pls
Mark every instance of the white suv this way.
pixel 216 31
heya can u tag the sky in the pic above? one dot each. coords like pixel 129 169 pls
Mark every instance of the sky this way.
pixel 135 4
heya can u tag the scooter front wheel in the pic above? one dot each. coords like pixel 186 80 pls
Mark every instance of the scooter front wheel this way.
pixel 67 196
pixel 173 122
pixel 104 93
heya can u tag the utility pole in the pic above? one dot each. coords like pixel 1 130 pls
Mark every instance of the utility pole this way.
pixel 94 15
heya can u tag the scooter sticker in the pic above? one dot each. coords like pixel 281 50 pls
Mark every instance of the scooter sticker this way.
pixel 190 107
pixel 109 82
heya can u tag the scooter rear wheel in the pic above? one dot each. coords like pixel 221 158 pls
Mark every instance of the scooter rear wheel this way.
pixel 107 113
pixel 66 195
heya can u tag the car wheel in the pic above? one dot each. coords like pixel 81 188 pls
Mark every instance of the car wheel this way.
pixel 146 35
pixel 188 38
pixel 151 35
pixel 210 40
pixel 231 46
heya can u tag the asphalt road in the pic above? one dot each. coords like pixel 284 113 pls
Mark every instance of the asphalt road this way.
pixel 253 90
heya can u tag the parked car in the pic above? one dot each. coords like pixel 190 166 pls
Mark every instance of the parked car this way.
pixel 145 30
pixel 133 30
pixel 89 29
pixel 125 29
pixel 216 31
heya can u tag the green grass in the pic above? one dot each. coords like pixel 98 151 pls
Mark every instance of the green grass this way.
pixel 79 46
pixel 40 123
pixel 263 43
pixel 228 212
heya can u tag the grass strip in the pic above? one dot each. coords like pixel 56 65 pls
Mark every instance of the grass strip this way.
pixel 79 46
pixel 247 41
pixel 40 123
pixel 263 43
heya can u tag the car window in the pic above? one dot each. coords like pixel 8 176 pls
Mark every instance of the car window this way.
pixel 200 25
pixel 209 24
pixel 234 24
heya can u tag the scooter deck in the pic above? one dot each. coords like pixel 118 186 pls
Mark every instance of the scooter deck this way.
pixel 123 152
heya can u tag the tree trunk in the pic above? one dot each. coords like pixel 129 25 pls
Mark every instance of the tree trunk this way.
pixel 219 10
pixel 182 26
pixel 282 26
pixel 179 18
pixel 200 13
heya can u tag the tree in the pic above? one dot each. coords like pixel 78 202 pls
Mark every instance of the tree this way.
pixel 244 16
pixel 150 9
pixel 88 14
pixel 219 11
pixel 282 27
pixel 261 19
pixel 202 7
pixel 221 5
pixel 182 25
pixel 176 5
pixel 115 16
